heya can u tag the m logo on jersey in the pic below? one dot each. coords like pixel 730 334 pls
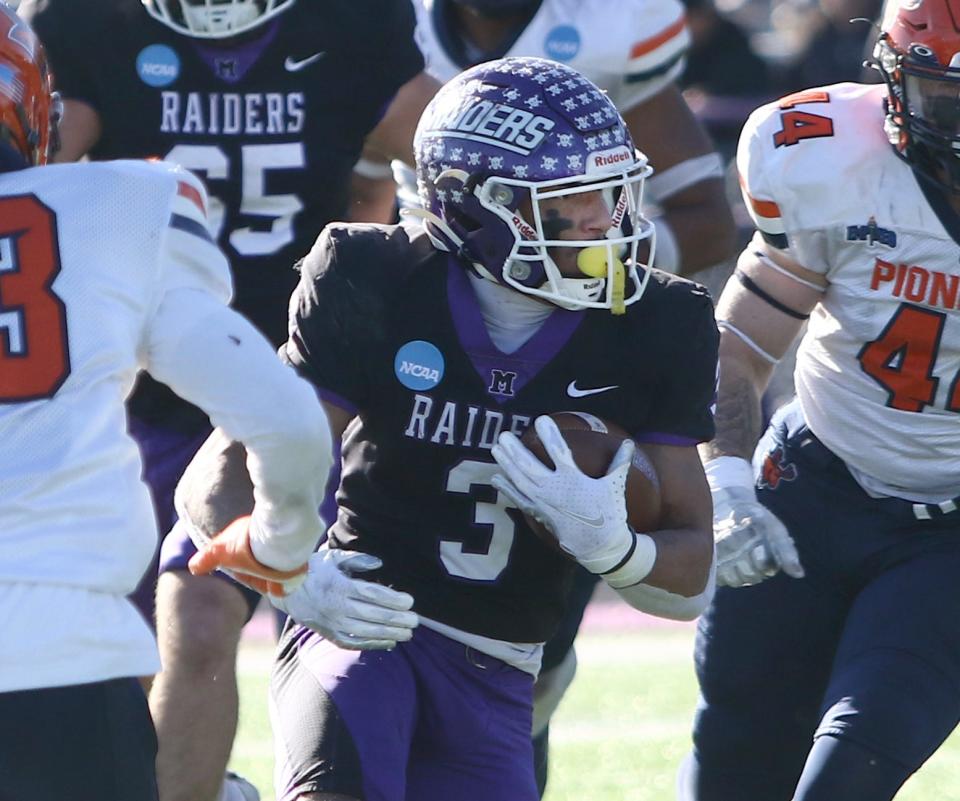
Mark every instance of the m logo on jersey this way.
pixel 158 65
pixel 501 382
pixel 497 124
pixel 418 365
pixel 775 470
pixel 872 233
pixel 227 68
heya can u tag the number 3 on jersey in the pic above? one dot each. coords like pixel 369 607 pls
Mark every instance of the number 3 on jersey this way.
pixel 485 564
pixel 34 352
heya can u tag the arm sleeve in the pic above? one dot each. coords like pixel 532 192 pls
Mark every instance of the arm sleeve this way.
pixel 663 603
pixel 214 358
pixel 684 412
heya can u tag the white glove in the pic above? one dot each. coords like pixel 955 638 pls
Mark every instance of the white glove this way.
pixel 588 516
pixel 354 614
pixel 752 544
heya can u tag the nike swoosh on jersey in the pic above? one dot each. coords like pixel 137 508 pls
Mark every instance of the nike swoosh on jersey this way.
pixel 575 392
pixel 293 65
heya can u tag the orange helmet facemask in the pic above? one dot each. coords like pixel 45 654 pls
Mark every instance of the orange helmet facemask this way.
pixel 29 108
pixel 918 54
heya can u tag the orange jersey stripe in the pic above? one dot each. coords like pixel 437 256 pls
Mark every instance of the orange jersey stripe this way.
pixel 765 208
pixel 651 44
pixel 190 193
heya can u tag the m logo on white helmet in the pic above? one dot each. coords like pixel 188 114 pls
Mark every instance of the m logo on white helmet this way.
pixel 499 124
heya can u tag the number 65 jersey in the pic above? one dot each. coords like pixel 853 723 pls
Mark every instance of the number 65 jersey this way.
pixel 878 370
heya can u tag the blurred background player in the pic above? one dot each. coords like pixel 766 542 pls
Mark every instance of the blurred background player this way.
pixel 458 332
pixel 269 101
pixel 634 50
pixel 106 269
pixel 836 676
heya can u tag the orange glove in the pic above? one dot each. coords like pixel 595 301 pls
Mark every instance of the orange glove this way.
pixel 230 551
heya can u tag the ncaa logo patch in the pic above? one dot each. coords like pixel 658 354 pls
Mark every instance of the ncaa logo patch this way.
pixel 562 43
pixel 418 365
pixel 158 65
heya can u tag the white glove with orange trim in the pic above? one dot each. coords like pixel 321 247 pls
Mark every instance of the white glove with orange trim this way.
pixel 322 595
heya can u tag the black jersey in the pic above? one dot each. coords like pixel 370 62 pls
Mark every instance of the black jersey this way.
pixel 272 122
pixel 391 329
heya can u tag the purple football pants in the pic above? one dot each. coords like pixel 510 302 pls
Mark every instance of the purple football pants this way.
pixel 429 720
pixel 165 454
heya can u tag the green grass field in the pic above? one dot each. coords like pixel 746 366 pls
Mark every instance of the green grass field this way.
pixel 618 735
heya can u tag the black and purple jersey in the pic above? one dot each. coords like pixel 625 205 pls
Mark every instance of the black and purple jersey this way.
pixel 390 328
pixel 273 122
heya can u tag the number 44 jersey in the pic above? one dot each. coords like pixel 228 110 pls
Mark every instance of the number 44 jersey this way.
pixel 878 370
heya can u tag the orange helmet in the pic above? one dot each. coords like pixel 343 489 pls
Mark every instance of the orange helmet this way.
pixel 918 54
pixel 29 108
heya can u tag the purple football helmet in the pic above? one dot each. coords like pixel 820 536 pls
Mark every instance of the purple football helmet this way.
pixel 529 129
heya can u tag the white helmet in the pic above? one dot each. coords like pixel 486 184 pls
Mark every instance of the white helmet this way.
pixel 214 19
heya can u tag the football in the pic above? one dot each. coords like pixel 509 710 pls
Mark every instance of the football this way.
pixel 593 443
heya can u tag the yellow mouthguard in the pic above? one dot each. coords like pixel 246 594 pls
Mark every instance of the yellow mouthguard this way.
pixel 593 262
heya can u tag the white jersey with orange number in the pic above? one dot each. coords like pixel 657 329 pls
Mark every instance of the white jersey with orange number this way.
pixel 108 268
pixel 878 370
pixel 87 253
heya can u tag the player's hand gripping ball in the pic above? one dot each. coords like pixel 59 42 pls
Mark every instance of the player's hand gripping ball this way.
pixel 593 443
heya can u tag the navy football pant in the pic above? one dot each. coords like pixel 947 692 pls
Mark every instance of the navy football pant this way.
pixel 864 650
pixel 88 742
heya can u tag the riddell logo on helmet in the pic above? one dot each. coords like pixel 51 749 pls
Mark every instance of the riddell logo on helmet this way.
pixel 600 160
pixel 603 160
pixel 521 225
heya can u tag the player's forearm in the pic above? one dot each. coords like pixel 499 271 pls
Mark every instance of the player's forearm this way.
pixel 739 416
pixel 684 556
pixel 217 360
pixel 288 456
pixel 681 582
